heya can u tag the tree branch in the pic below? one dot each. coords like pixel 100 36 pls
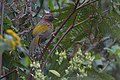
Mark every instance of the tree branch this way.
pixel 14 70
pixel 85 4
pixel 1 31
pixel 59 42
pixel 39 8
pixel 68 30
pixel 61 26
pixel 2 15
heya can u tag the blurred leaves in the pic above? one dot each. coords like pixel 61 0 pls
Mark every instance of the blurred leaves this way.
pixel 114 49
pixel 50 4
pixel 27 61
pixel 22 15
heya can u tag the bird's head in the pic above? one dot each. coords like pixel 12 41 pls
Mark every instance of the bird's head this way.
pixel 49 17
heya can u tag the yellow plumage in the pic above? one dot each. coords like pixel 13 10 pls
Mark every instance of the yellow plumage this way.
pixel 39 29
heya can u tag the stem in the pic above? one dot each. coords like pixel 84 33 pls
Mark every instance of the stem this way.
pixel 85 4
pixel 14 70
pixel 2 14
pixel 39 8
pixel 1 31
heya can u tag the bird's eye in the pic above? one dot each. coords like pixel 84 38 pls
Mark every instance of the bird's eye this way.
pixel 51 17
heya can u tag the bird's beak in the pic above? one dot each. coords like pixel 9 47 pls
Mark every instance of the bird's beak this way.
pixel 55 18
pixel 51 18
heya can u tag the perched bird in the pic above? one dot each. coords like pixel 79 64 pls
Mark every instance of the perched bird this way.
pixel 42 31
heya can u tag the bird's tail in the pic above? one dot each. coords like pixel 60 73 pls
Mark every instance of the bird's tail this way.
pixel 33 46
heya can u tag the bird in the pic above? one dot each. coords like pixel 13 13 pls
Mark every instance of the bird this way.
pixel 42 31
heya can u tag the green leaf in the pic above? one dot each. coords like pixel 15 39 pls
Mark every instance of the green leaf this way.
pixel 65 1
pixel 55 73
pixel 118 51
pixel 50 4
pixel 93 75
pixel 97 56
pixel 114 49
pixel 27 61
pixel 115 15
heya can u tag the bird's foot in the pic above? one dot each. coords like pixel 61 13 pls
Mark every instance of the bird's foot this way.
pixel 53 34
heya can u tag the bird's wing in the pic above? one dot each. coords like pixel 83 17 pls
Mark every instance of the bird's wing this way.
pixel 40 29
pixel 33 45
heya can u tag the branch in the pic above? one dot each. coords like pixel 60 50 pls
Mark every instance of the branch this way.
pixel 61 26
pixel 29 8
pixel 85 4
pixel 14 70
pixel 1 31
pixel 75 9
pixel 106 65
pixel 2 15
pixel 39 8
pixel 58 43
pixel 30 76
pixel 68 30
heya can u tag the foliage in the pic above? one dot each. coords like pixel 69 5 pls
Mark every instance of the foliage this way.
pixel 86 43
pixel 38 75
pixel 81 63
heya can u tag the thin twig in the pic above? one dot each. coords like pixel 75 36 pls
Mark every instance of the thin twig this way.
pixel 85 1
pixel 23 32
pixel 39 8
pixel 71 27
pixel 2 15
pixel 30 76
pixel 68 30
pixel 17 74
pixel 58 5
pixel 106 65
pixel 1 31
pixel 85 4
pixel 14 70
pixel 82 22
pixel 29 7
